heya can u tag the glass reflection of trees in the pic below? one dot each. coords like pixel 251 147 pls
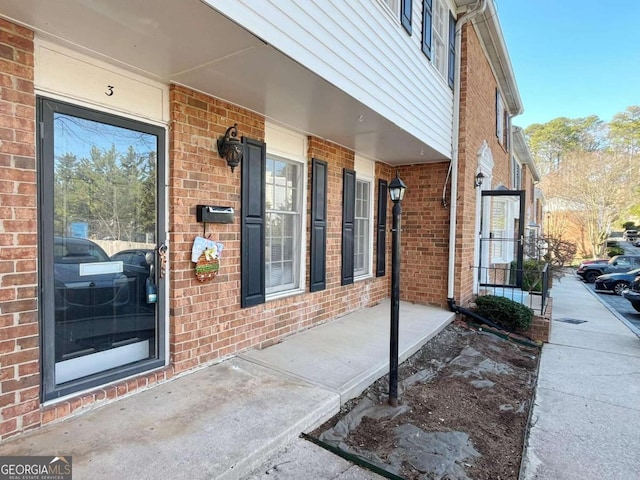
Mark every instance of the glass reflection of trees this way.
pixel 112 189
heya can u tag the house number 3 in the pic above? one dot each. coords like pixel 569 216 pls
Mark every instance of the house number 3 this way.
pixel 109 91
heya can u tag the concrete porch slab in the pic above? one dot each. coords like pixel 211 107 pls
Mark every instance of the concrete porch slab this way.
pixel 219 422
pixel 351 352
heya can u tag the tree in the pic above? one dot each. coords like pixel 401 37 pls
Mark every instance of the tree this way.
pixel 596 187
pixel 550 142
pixel 624 131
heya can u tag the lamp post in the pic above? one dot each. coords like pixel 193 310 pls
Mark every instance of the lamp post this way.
pixel 396 192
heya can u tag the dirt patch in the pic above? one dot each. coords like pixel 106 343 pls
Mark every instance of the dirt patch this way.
pixel 464 404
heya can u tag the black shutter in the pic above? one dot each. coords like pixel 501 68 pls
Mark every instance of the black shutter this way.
pixel 318 270
pixel 426 27
pixel 252 288
pixel 452 50
pixel 381 230
pixel 405 15
pixel 348 221
pixel 497 111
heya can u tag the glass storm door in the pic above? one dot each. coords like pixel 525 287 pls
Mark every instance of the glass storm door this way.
pixel 100 234
pixel 501 238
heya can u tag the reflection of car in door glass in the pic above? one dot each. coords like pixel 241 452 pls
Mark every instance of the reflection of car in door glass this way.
pixel 86 282
pixel 137 270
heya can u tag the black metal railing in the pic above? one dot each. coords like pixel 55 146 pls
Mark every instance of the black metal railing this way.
pixel 528 286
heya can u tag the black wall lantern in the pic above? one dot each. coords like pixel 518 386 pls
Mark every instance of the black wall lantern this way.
pixel 230 148
pixel 479 179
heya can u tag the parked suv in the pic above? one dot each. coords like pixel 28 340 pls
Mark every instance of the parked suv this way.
pixel 633 294
pixel 630 235
pixel 619 263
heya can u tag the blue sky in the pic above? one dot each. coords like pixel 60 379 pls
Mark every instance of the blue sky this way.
pixel 573 58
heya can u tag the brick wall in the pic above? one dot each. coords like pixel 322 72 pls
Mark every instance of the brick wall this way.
pixel 19 353
pixel 207 322
pixel 425 235
pixel 477 124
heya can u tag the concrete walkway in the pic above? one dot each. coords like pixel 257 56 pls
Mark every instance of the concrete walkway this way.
pixel 226 420
pixel 586 417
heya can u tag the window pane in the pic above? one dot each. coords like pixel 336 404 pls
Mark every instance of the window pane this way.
pixel 361 235
pixel 283 224
pixel 439 34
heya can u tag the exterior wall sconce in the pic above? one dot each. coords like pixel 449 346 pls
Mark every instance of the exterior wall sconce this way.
pixel 230 148
pixel 479 179
pixel 396 192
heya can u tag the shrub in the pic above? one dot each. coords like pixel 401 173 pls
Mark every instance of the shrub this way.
pixel 531 274
pixel 613 251
pixel 505 312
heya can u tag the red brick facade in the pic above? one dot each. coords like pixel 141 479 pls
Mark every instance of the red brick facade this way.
pixel 425 235
pixel 206 322
pixel 19 343
pixel 477 125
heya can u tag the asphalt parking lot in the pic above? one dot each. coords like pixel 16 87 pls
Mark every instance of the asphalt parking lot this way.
pixel 619 304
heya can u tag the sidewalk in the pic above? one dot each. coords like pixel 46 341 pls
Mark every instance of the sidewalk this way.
pixel 586 416
pixel 224 421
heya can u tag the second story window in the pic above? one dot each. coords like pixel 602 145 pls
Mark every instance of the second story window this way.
pixel 499 118
pixel 438 37
pixel 440 21
pixel 394 6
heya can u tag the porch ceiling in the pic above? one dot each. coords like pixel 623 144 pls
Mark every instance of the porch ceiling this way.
pixel 188 43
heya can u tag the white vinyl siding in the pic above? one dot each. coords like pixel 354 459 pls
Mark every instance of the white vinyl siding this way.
pixel 361 50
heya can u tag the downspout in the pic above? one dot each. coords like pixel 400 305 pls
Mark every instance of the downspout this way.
pixel 477 9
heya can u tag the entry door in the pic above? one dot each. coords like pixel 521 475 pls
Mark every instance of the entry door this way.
pixel 501 238
pixel 100 219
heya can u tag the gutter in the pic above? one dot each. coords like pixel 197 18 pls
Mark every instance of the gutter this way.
pixel 477 9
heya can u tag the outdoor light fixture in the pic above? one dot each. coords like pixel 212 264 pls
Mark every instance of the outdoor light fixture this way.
pixel 396 189
pixel 479 179
pixel 396 192
pixel 230 148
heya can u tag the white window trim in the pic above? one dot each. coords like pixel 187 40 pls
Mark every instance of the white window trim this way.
pixel 392 7
pixel 507 254
pixel 499 118
pixel 369 274
pixel 440 6
pixel 516 173
pixel 290 145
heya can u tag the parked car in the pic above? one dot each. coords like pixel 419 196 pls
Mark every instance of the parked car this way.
pixel 633 294
pixel 630 235
pixel 584 263
pixel 636 242
pixel 136 268
pixel 616 282
pixel 617 264
pixel 83 287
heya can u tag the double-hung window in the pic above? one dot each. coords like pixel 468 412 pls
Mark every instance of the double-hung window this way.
pixel 440 23
pixel 362 229
pixel 283 223
pixel 500 126
pixel 438 37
